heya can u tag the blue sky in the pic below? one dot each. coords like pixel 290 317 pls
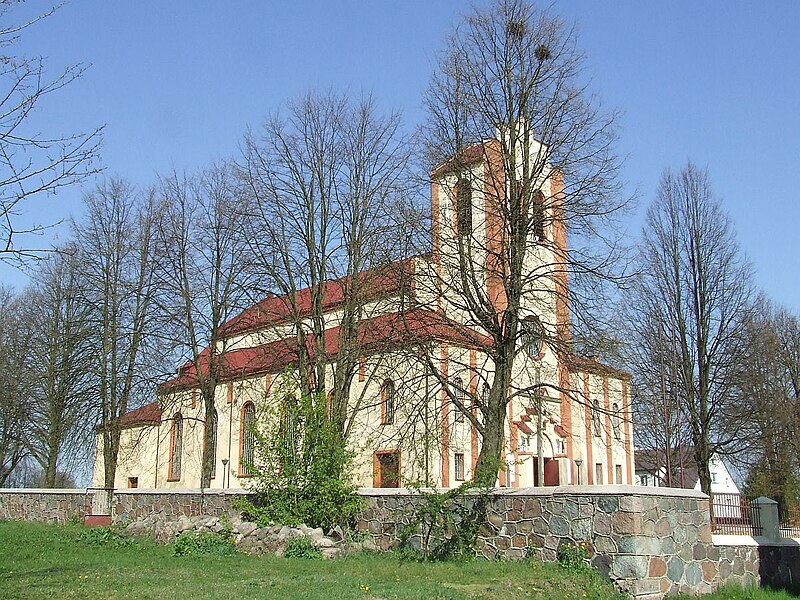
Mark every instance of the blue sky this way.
pixel 177 84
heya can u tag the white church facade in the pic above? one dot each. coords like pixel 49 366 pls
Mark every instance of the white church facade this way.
pixel 405 428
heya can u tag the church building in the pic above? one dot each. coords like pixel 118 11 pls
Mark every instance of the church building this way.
pixel 418 350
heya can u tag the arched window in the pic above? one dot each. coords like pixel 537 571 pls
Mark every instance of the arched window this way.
pixel 615 420
pixel 538 215
pixel 464 206
pixel 247 440
pixel 387 402
pixel 175 448
pixel 461 396
pixel 213 449
pixel 598 430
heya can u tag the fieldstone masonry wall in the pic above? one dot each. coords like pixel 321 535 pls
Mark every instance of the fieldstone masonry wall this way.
pixel 650 541
pixel 46 505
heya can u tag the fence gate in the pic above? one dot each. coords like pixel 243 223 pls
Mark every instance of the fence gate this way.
pixel 98 506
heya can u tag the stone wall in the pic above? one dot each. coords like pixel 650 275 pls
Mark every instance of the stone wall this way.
pixel 650 541
pixel 779 566
pixel 134 505
pixel 45 505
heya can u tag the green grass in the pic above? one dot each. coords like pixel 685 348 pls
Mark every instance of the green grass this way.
pixel 42 561
pixel 737 593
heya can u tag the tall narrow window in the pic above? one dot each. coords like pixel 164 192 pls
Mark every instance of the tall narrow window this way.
pixel 213 449
pixel 461 397
pixel 464 206
pixel 176 448
pixel 247 440
pixel 538 215
pixel 485 394
pixel 459 466
pixel 615 420
pixel 618 474
pixel 598 473
pixel 598 430
pixel 387 402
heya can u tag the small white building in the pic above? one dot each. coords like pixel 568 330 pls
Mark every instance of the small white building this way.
pixel 651 470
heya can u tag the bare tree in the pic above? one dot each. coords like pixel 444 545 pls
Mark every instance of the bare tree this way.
pixel 202 274
pixel 15 383
pixel 33 164
pixel 652 356
pixel 117 263
pixel 770 382
pixel 328 181
pixel 695 296
pixel 59 365
pixel 508 93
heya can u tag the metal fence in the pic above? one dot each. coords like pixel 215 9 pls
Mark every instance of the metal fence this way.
pixel 735 515
pixel 789 515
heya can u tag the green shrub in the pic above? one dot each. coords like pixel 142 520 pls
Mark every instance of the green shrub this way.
pixel 104 536
pixel 302 547
pixel 203 542
pixel 445 526
pixel 302 470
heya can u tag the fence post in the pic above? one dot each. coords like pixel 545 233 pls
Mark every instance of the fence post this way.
pixel 768 516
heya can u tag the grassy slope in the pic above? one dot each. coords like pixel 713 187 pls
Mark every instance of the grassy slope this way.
pixel 40 561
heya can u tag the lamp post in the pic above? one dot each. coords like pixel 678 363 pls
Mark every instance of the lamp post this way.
pixel 224 472
pixel 578 463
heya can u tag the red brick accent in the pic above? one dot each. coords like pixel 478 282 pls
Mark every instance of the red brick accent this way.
pixel 97 520
pixel 494 196
pixel 435 226
pixel 566 412
pixel 627 428
pixel 589 432
pixel 473 386
pixel 445 420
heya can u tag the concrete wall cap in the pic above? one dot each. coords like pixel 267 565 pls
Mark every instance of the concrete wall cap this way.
pixel 563 490
pixel 183 491
pixel 764 500
pixel 61 492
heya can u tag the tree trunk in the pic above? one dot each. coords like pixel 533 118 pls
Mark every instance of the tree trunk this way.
pixel 490 458
pixel 207 456
pixel 110 457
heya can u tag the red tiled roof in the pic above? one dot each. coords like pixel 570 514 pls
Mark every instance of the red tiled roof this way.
pixel 149 414
pixel 590 365
pixel 470 155
pixel 378 333
pixel 273 310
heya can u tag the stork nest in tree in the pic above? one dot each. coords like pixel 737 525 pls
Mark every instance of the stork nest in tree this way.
pixel 516 28
pixel 542 53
